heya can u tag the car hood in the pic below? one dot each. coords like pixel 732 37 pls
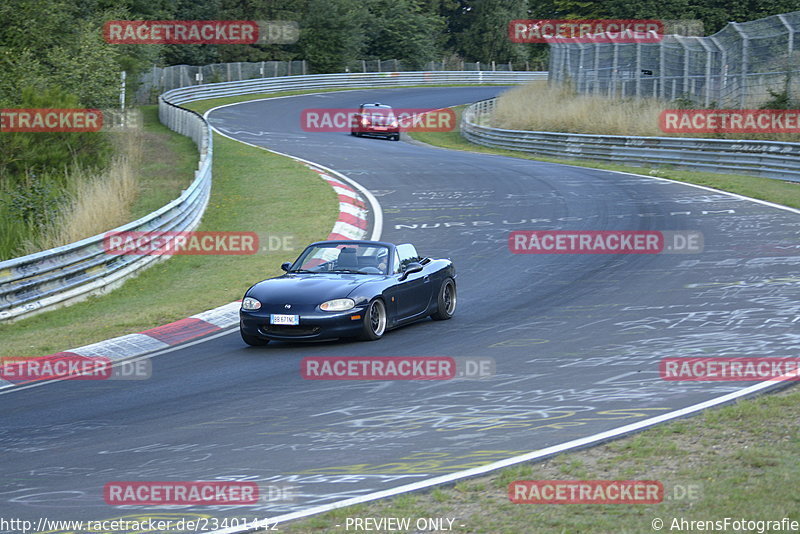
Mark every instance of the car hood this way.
pixel 307 289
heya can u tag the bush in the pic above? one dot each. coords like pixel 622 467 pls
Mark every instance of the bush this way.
pixel 780 100
pixel 34 171
pixel 25 153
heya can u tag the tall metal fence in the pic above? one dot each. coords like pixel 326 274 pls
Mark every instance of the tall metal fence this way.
pixel 736 67
pixel 445 64
pixel 158 80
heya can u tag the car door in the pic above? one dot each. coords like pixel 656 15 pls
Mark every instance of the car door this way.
pixel 413 294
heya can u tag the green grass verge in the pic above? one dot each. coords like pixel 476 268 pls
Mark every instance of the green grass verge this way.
pixel 778 191
pixel 167 167
pixel 739 461
pixel 253 190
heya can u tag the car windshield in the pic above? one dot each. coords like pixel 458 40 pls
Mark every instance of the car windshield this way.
pixel 376 112
pixel 352 258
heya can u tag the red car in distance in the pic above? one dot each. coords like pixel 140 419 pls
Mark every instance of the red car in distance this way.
pixel 375 119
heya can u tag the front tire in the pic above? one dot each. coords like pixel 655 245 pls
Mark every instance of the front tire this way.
pixel 374 322
pixel 395 137
pixel 446 301
pixel 253 341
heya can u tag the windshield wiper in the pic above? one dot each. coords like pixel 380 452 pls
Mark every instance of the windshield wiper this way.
pixel 302 271
pixel 346 271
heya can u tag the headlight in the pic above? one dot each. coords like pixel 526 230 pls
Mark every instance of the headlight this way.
pixel 337 305
pixel 249 303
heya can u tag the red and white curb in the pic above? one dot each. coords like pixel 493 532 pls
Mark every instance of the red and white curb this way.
pixel 353 214
pixel 161 337
pixel 353 223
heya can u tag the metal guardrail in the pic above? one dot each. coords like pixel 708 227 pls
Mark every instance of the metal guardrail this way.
pixel 72 272
pixel 351 79
pixel 768 159
pixel 66 274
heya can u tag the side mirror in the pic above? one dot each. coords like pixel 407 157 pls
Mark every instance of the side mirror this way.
pixel 411 268
pixel 286 265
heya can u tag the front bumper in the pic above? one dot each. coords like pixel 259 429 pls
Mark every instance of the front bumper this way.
pixel 312 326
pixel 387 131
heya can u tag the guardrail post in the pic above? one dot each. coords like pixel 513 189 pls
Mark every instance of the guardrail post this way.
pixel 723 75
pixel 709 80
pixel 686 59
pixel 596 89
pixel 638 69
pixel 662 70
pixel 745 64
pixel 789 53
pixel 581 77
pixel 612 88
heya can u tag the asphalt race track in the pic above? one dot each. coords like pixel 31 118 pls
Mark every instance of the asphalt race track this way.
pixel 576 339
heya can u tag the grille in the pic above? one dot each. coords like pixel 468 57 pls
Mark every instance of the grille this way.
pixel 288 330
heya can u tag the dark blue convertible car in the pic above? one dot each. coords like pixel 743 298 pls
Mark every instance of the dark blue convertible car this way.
pixel 339 289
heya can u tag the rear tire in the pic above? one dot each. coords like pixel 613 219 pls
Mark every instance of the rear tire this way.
pixel 446 301
pixel 374 322
pixel 253 341
pixel 395 137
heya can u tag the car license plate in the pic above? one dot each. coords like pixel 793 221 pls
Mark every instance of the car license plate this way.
pixel 284 319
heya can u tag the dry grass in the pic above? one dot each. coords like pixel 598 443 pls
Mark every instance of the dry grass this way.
pixel 539 107
pixel 96 202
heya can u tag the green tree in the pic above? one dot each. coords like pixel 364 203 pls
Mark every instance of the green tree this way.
pixel 262 10
pixel 193 54
pixel 332 34
pixel 30 30
pixel 25 153
pixel 484 34
pixel 87 67
pixel 400 29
